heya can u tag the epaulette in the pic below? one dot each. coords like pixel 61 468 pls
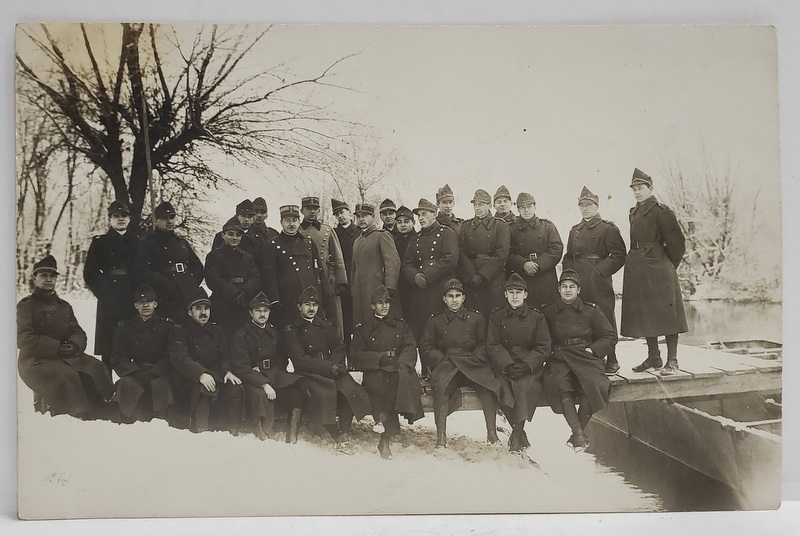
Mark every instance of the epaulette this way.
pixel 123 322
pixel 95 237
pixel 537 310
pixel 611 223
pixel 545 305
pixel 26 298
pixel 589 304
pixel 357 325
pixel 662 205
pixel 545 220
pixel 288 328
pixel 474 311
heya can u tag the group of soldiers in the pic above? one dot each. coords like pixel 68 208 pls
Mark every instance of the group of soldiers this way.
pixel 478 300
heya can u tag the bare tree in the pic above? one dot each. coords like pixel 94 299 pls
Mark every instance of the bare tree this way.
pixel 168 102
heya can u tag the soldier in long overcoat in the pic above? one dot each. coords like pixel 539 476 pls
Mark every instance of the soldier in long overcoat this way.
pixel 502 205
pixel 317 353
pixel 51 360
pixel 454 348
pixel 445 201
pixel 429 262
pixel 536 248
pixel 375 263
pixel 483 246
pixel 233 278
pixel 206 391
pixel 140 360
pixel 518 344
pixel 596 250
pixel 108 272
pixel 347 232
pixel 388 213
pixel 330 250
pixel 258 361
pixel 405 234
pixel 260 229
pixel 385 350
pixel 652 303
pixel 574 373
pixel 168 264
pixel 298 265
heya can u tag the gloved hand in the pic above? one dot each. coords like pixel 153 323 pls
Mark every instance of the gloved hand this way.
pixel 67 349
pixel 477 280
pixel 420 281
pixel 387 359
pixel 510 372
pixel 338 371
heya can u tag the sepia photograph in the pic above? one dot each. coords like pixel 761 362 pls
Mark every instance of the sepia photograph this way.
pixel 326 270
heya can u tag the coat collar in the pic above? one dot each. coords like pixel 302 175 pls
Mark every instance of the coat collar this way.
pixel 435 226
pixel 591 223
pixel 450 315
pixel 521 311
pixel 369 230
pixel 487 220
pixel 645 206
pixel 305 224
pixel 578 305
pixel 350 229
pixel 533 222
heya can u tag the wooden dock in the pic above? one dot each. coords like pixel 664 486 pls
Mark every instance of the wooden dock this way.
pixel 704 374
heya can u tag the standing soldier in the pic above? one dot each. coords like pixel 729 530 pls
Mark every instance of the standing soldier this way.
pixel 596 251
pixel 317 353
pixel 51 360
pixel 536 248
pixel 518 344
pixel 259 227
pixel 385 350
pixel 388 213
pixel 445 200
pixel 652 304
pixel 346 232
pixel 333 261
pixel 251 240
pixel 256 359
pixel 108 273
pixel 375 263
pixel 429 262
pixel 503 204
pixel 483 245
pixel 574 374
pixel 405 234
pixel 140 360
pixel 168 265
pixel 206 390
pixel 454 348
pixel 297 265
pixel 232 276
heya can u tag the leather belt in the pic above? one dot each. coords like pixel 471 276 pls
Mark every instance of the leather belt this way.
pixel 118 271
pixel 575 340
pixel 642 245
pixel 177 268
pixel 236 280
pixel 265 363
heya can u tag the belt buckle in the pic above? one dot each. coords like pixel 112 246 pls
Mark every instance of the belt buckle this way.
pixel 179 267
pixel 265 364
pixel 533 256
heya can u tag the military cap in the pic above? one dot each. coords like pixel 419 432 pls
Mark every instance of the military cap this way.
pixel 310 202
pixel 444 193
pixel 481 196
pixel 501 193
pixel 310 294
pixel 164 210
pixel 144 293
pixel 405 212
pixel 524 199
pixel 259 203
pixel 245 208
pixel 198 297
pixel 260 300
pixel 119 207
pixel 424 204
pixel 380 293
pixel 337 206
pixel 453 284
pixel 48 264
pixel 364 208
pixel 290 210
pixel 233 224
pixel 640 177
pixel 587 195
pixel 516 281
pixel 387 204
pixel 570 275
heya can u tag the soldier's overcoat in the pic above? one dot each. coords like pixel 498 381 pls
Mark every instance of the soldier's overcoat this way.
pixel 573 329
pixel 314 347
pixel 536 239
pixel 44 321
pixel 483 246
pixel 375 263
pixel 229 270
pixel 333 267
pixel 652 303
pixel 519 336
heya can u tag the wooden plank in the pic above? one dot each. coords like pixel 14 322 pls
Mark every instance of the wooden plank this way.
pixel 722 385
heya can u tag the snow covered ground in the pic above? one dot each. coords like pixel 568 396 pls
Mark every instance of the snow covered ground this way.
pixel 71 468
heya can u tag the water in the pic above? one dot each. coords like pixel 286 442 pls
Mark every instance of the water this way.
pixel 678 487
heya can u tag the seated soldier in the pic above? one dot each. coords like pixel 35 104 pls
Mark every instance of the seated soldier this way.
pixel 51 359
pixel 317 353
pixel 139 358
pixel 207 393
pixel 256 360
pixel 582 336
pixel 385 350
pixel 454 347
pixel 518 343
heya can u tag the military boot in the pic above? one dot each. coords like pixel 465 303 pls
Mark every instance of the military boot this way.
pixel 652 362
pixel 293 426
pixel 385 447
pixel 671 367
